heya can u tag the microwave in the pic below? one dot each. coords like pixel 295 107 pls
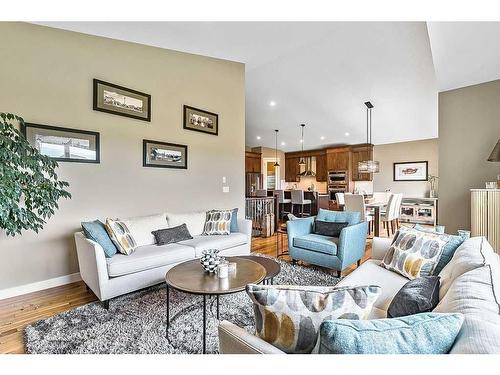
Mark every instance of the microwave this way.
pixel 337 177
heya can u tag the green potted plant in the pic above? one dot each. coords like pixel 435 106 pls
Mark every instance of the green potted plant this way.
pixel 29 186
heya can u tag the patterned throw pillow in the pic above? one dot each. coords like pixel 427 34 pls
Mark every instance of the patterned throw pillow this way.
pixel 414 253
pixel 218 222
pixel 121 237
pixel 289 317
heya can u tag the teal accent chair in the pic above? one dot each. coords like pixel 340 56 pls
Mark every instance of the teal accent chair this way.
pixel 331 252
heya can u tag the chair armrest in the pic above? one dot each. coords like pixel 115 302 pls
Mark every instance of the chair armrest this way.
pixel 352 243
pixel 245 227
pixel 235 340
pixel 92 263
pixel 380 247
pixel 298 227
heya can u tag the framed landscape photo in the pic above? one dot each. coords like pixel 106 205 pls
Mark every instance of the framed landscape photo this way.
pixel 119 100
pixel 411 171
pixel 63 144
pixel 164 155
pixel 200 120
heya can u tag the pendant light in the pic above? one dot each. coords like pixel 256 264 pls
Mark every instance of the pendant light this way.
pixel 302 160
pixel 276 164
pixel 368 166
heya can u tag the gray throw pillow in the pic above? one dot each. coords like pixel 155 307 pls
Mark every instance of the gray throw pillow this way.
pixel 329 228
pixel 171 235
pixel 416 296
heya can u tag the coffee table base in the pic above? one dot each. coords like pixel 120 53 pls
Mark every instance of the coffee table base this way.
pixel 204 315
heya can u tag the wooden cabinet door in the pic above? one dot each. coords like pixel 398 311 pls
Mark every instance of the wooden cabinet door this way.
pixel 365 153
pixel 321 171
pixel 252 162
pixel 292 169
pixel 338 159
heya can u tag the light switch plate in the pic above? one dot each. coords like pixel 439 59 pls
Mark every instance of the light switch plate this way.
pixel 225 189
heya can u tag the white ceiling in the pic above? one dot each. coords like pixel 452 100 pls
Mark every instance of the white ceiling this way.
pixel 319 73
pixel 465 53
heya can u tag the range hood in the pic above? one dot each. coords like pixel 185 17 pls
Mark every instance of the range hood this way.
pixel 309 170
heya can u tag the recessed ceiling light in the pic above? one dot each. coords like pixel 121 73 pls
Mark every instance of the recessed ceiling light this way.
pixel 346 134
pixel 283 143
pixel 322 138
pixel 301 141
pixel 258 137
pixel 272 103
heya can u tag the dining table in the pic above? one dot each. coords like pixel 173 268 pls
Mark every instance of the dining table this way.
pixel 376 206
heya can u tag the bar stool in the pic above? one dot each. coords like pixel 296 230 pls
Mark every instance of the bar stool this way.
pixel 298 199
pixel 280 196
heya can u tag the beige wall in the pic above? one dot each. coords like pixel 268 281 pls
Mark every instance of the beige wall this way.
pixel 270 153
pixel 469 127
pixel 405 151
pixel 46 77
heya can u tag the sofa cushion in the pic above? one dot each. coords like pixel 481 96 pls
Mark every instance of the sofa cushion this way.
pixel 289 317
pixel 140 227
pixel 328 228
pixel 121 236
pixel 416 296
pixel 339 216
pixel 414 253
pixel 96 231
pixel 426 333
pixel 195 221
pixel 171 235
pixel 370 271
pixel 318 243
pixel 148 257
pixel 473 253
pixel 222 242
pixel 218 222
pixel 476 295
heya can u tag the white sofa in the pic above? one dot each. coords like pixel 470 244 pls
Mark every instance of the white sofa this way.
pixel 147 265
pixel 470 284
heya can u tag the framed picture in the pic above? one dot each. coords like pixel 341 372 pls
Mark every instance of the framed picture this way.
pixel 164 155
pixel 118 100
pixel 410 171
pixel 201 121
pixel 63 144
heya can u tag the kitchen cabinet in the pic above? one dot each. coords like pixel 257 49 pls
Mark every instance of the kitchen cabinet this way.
pixel 253 162
pixel 338 159
pixel 292 169
pixel 361 153
pixel 321 170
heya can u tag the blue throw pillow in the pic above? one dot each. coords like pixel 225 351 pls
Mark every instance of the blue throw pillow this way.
pixel 95 231
pixel 449 249
pixel 233 228
pixel 426 333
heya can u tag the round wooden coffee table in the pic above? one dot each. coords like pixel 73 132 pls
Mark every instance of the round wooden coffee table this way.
pixel 189 277
pixel 272 267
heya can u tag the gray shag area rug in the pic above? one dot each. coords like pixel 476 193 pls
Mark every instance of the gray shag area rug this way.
pixel 135 323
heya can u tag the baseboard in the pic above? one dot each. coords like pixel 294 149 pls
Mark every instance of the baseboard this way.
pixel 39 285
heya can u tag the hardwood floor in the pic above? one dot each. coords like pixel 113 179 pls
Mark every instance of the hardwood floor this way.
pixel 18 312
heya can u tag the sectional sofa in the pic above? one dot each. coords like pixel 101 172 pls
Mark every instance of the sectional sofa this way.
pixel 470 284
pixel 147 265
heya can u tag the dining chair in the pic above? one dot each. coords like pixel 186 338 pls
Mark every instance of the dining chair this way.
pixel 390 217
pixel 356 203
pixel 280 196
pixel 298 199
pixel 381 197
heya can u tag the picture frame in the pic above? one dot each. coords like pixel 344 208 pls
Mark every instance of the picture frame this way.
pixel 199 120
pixel 158 154
pixel 410 171
pixel 122 101
pixel 64 144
